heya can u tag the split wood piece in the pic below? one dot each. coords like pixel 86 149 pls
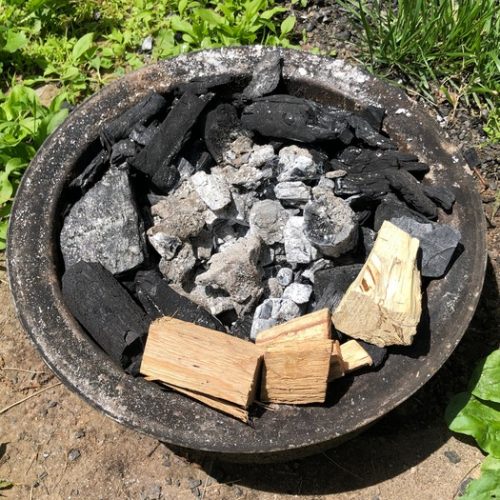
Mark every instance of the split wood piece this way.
pixel 337 366
pixel 383 304
pixel 201 360
pixel 316 325
pixel 296 372
pixel 218 404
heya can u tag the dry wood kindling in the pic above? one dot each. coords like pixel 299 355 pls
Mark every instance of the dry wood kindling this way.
pixel 383 304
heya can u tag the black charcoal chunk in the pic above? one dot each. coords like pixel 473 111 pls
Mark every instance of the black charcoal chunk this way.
pixel 156 159
pixel 204 84
pixel 104 226
pixel 471 157
pixel 106 311
pixel 242 327
pixel 122 151
pixel 331 284
pixel 294 118
pixel 374 116
pixel 371 186
pixel 390 208
pixel 438 243
pixel 378 354
pixel 366 161
pixel 159 299
pixel 440 195
pixel 92 173
pixel 412 192
pixel 368 236
pixel 366 133
pixel 415 167
pixel 142 135
pixel 221 127
pixel 119 128
pixel 265 76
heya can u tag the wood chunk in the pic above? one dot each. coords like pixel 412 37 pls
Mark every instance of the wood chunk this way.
pixel 201 360
pixel 156 159
pixel 383 304
pixel 104 308
pixel 316 325
pixel 337 368
pixel 120 127
pixel 296 372
pixel 354 356
pixel 218 404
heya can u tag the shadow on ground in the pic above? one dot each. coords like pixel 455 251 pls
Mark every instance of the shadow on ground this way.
pixel 398 442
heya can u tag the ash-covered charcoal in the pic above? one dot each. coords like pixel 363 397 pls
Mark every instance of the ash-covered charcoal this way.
pixel 92 172
pixel 212 189
pixel 144 111
pixel 268 219
pixel 330 224
pixel 310 273
pixel 177 269
pixel 122 151
pixel 438 243
pixel 222 126
pixel 440 195
pixel 185 169
pixel 284 276
pixel 104 226
pixel 374 116
pixel 164 244
pixel 296 164
pixel 203 85
pixel 159 299
pixel 331 284
pixel 298 248
pixel 390 208
pixel 273 312
pixel 142 135
pixel 265 77
pixel 106 311
pixel 156 159
pixel 371 186
pixel 272 289
pixel 294 118
pixel 235 270
pixel 412 193
pixel 299 293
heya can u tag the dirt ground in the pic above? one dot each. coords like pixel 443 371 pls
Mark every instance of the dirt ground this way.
pixel 54 445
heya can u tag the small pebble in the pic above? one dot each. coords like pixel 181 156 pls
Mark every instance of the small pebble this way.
pixel 52 404
pixel 147 44
pixel 79 434
pixel 73 455
pixel 452 456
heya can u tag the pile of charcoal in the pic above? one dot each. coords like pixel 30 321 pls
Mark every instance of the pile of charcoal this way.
pixel 234 205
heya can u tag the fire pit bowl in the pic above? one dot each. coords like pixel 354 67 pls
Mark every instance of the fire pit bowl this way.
pixel 35 267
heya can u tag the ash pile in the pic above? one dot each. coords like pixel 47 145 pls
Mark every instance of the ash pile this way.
pixel 236 206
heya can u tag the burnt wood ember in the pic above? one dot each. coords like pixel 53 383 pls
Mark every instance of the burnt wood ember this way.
pixel 119 128
pixel 92 172
pixel 440 195
pixel 159 299
pixel 265 77
pixel 155 160
pixel 411 191
pixel 222 125
pixel 104 226
pixel 122 151
pixel 106 311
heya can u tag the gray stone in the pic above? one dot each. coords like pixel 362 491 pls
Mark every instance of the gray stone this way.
pixel 180 215
pixel 298 292
pixel 296 164
pixel 284 276
pixel 74 454
pixel 267 219
pixel 235 270
pixel 438 243
pixel 212 189
pixel 315 267
pixel 330 224
pixel 273 312
pixel 265 77
pixel 103 226
pixel 147 44
pixel 298 248
pixel 292 192
pixel 177 269
pixel 452 456
pixel 165 244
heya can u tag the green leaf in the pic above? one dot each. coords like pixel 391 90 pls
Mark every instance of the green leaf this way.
pixel 488 385
pixel 487 486
pixel 481 420
pixel 82 45
pixel 287 25
pixel 211 17
pixel 179 24
pixel 181 6
pixel 14 41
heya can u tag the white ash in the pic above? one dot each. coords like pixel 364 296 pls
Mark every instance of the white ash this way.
pixel 284 276
pixel 206 298
pixel 267 219
pixel 336 174
pixel 292 192
pixel 298 292
pixel 273 288
pixel 298 248
pixel 296 164
pixel 185 169
pixel 177 269
pixel 273 312
pixel 212 189
pixel 165 244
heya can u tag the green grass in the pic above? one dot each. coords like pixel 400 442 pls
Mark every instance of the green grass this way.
pixel 81 45
pixel 443 48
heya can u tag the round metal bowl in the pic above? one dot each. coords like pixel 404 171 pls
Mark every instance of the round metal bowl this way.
pixel 34 266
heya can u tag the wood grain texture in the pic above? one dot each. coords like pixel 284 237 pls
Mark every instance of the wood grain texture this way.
pixel 354 356
pixel 201 360
pixel 316 325
pixel 383 304
pixel 296 372
pixel 337 368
